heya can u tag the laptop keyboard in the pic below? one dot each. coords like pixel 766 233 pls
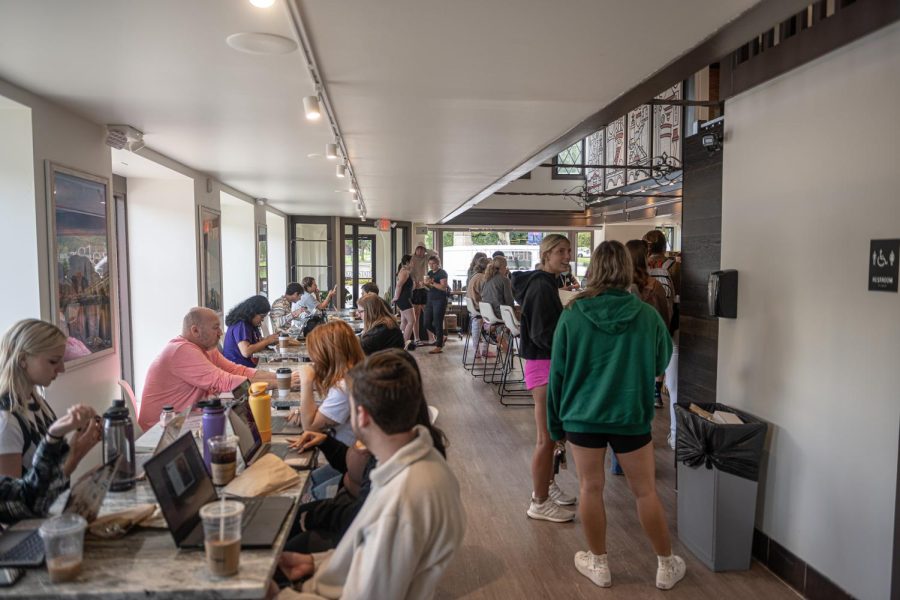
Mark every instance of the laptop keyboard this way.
pixel 29 549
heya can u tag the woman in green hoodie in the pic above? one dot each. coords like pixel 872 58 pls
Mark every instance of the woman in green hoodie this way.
pixel 608 348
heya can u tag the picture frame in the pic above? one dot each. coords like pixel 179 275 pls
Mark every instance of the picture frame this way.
pixel 82 262
pixel 209 222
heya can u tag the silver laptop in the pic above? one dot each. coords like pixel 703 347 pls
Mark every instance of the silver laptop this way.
pixel 250 442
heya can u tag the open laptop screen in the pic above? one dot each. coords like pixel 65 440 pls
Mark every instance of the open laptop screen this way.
pixel 181 485
pixel 244 426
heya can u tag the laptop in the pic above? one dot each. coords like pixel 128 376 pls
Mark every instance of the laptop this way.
pixel 23 547
pixel 250 442
pixel 170 434
pixel 182 487
pixel 280 425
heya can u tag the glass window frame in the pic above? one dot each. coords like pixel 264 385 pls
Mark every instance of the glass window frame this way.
pixel 295 274
pixel 554 172
pixel 51 170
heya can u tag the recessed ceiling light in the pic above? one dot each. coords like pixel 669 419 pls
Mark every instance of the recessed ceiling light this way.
pixel 261 43
pixel 262 3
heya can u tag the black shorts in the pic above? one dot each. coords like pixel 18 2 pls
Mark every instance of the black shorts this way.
pixel 420 296
pixel 621 444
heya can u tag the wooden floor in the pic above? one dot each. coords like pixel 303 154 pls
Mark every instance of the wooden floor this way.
pixel 506 555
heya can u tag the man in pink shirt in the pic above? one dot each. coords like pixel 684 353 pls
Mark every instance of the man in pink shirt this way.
pixel 191 368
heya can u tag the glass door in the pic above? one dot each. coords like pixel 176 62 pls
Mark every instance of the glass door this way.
pixel 360 260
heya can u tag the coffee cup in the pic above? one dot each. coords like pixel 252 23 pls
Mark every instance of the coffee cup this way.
pixel 222 536
pixel 63 546
pixel 283 378
pixel 283 343
pixel 223 458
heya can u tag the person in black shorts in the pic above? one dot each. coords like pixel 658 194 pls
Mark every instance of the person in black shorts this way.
pixel 403 300
pixel 595 403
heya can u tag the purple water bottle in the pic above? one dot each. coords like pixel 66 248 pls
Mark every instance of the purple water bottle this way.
pixel 213 424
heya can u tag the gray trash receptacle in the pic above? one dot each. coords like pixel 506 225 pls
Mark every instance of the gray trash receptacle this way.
pixel 718 468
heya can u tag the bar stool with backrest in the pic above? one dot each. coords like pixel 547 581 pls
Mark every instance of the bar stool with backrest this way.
pixel 474 316
pixel 490 318
pixel 511 360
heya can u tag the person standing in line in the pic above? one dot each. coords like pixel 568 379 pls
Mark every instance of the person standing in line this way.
pixel 31 357
pixel 403 300
pixel 436 282
pixel 536 291
pixel 667 271
pixel 418 267
pixel 243 338
pixel 594 403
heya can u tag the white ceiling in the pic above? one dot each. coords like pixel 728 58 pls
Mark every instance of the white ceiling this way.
pixel 436 98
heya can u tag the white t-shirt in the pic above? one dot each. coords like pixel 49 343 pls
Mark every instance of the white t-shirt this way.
pixel 12 438
pixel 336 406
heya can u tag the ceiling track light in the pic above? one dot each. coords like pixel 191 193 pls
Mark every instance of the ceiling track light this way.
pixel 262 3
pixel 331 151
pixel 311 108
pixel 340 171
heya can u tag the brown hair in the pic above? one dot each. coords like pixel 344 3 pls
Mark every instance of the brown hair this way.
pixel 481 265
pixel 493 268
pixel 610 268
pixel 388 384
pixel 333 349
pixel 638 251
pixel 375 312
pixel 550 242
pixel 656 239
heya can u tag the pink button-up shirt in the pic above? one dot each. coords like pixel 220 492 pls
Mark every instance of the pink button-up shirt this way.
pixel 184 373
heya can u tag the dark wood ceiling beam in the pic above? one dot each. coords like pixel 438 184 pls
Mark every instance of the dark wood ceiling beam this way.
pixel 730 37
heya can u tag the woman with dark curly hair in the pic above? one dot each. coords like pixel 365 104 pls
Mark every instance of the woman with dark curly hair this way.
pixel 244 336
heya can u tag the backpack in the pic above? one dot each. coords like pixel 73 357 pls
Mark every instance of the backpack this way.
pixel 664 277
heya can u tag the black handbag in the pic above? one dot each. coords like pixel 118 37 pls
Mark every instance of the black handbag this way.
pixel 311 323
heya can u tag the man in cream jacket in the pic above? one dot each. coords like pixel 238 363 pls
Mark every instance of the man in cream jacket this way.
pixel 412 521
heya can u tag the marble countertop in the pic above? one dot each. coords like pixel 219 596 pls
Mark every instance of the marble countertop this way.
pixel 146 562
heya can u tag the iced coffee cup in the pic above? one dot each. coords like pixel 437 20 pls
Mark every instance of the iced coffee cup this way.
pixel 223 458
pixel 222 536
pixel 283 378
pixel 63 546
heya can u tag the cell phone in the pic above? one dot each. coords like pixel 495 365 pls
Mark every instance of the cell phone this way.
pixel 10 575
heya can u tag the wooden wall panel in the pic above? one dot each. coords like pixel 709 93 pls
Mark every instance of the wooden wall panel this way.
pixel 701 236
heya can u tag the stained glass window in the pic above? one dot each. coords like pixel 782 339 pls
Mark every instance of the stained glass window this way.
pixel 638 142
pixel 667 125
pixel 594 146
pixel 615 153
pixel 573 155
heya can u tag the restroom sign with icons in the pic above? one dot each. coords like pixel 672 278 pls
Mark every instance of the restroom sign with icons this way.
pixel 884 265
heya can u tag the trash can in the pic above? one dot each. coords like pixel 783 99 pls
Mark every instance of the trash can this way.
pixel 718 473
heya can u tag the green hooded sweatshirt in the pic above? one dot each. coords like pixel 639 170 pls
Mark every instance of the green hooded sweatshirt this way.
pixel 607 351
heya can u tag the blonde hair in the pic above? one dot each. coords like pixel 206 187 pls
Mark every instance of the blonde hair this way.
pixel 549 243
pixel 29 337
pixel 375 312
pixel 610 267
pixel 494 267
pixel 333 349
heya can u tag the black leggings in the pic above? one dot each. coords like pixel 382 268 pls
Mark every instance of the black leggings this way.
pixel 434 319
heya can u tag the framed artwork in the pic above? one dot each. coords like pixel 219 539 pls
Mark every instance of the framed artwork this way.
pixel 211 258
pixel 638 146
pixel 615 153
pixel 262 261
pixel 80 236
pixel 667 125
pixel 594 150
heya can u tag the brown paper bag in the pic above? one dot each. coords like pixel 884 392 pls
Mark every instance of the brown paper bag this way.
pixel 266 476
pixel 115 525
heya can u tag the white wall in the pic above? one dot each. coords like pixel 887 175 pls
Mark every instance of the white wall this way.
pixel 238 251
pixel 18 242
pixel 541 181
pixel 162 239
pixel 809 178
pixel 276 232
pixel 69 140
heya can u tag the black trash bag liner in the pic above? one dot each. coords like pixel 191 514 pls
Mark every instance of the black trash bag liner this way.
pixel 735 449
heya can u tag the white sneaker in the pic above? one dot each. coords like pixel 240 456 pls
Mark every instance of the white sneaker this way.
pixel 594 567
pixel 549 511
pixel 560 497
pixel 671 570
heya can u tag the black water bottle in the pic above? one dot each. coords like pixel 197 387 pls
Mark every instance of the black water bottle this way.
pixel 118 440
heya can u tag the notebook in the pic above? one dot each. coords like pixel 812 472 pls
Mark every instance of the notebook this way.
pixel 182 487
pixel 24 547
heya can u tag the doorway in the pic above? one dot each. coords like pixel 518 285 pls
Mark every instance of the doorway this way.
pixel 360 260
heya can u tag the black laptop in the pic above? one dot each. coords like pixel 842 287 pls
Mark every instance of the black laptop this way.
pixel 251 445
pixel 182 486
pixel 280 425
pixel 24 547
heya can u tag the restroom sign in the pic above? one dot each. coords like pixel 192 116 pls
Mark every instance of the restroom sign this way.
pixel 884 265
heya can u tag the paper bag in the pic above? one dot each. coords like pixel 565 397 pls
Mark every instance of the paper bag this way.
pixel 266 476
pixel 117 524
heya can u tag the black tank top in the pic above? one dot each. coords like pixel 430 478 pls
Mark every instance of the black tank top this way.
pixel 406 290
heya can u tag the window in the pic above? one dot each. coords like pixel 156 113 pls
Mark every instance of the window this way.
pixel 80 217
pixel 311 251
pixel 581 254
pixel 573 155
pixel 669 232
pixel 262 261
